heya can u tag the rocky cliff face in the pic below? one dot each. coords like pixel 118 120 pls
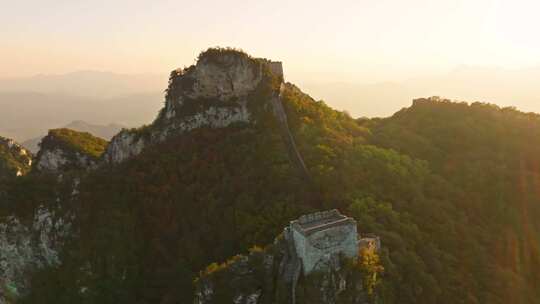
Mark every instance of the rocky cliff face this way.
pixel 30 237
pixel 63 150
pixel 57 159
pixel 14 159
pixel 224 87
pixel 25 248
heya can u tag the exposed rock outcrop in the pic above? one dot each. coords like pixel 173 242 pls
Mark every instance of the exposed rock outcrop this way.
pixel 64 150
pixel 25 248
pixel 14 159
pixel 31 237
pixel 224 87
pixel 123 146
pixel 276 274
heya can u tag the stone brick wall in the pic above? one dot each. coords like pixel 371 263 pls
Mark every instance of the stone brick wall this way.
pixel 335 235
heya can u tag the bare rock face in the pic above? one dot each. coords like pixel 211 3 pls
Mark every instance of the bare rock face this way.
pixel 223 77
pixel 51 160
pixel 58 160
pixel 123 146
pixel 222 88
pixel 14 159
pixel 25 248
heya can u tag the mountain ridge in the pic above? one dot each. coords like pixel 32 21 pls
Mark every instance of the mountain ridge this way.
pixel 25 116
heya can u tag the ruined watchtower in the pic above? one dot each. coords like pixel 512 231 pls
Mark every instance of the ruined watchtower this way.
pixel 320 236
pixel 276 67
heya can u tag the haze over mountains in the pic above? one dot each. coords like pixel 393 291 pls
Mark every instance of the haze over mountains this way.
pixel 90 84
pixel 517 88
pixel 30 106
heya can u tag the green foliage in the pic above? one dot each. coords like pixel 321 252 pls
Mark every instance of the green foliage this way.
pixel 238 275
pixel 369 265
pixel 82 142
pixel 451 189
pixel 491 168
pixel 9 292
pixel 215 54
pixel 24 195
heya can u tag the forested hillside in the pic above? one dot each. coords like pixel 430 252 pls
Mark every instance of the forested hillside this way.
pixel 490 155
pixel 451 189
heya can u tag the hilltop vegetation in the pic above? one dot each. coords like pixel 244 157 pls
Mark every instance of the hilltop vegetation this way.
pixel 71 140
pixel 490 156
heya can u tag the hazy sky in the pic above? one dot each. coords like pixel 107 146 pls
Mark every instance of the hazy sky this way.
pixel 319 41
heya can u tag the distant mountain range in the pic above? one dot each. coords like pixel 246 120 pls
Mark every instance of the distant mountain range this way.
pixel 503 87
pixel 30 106
pixel 91 84
pixel 27 115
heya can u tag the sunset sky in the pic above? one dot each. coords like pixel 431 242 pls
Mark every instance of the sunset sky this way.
pixel 319 41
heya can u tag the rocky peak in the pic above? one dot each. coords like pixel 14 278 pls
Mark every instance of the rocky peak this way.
pixel 223 75
pixel 220 78
pixel 224 87
pixel 14 159
pixel 64 149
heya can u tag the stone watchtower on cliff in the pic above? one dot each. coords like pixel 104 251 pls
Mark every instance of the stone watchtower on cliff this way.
pixel 320 236
pixel 315 242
